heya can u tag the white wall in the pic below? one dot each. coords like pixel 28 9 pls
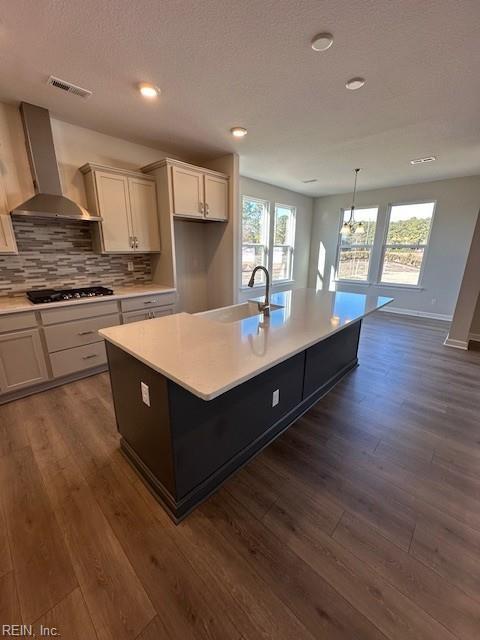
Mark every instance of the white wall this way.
pixel 304 207
pixel 458 203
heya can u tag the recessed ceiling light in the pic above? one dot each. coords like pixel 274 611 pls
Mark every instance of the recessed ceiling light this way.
pixel 148 90
pixel 238 132
pixel 423 160
pixel 355 83
pixel 322 42
pixel 309 181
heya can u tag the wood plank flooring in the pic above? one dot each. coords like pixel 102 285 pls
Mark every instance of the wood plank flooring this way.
pixel 361 522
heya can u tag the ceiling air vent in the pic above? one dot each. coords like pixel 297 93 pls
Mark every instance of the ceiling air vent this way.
pixel 68 87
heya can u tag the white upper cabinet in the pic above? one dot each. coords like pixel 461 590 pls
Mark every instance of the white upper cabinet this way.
pixel 191 192
pixel 8 243
pixel 143 205
pixel 216 198
pixel 187 192
pixel 114 207
pixel 127 202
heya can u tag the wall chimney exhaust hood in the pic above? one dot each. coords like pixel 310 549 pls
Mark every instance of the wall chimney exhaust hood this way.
pixel 48 201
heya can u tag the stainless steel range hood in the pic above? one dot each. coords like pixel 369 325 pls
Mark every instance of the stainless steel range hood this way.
pixel 48 201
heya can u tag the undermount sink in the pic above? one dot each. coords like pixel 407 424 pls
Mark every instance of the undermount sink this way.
pixel 237 312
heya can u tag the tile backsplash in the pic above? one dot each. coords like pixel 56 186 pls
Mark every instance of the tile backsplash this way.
pixel 59 254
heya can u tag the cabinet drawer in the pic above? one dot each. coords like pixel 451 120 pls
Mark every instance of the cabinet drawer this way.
pixel 77 359
pixel 136 316
pixel 76 312
pixel 16 321
pixel 76 334
pixel 145 302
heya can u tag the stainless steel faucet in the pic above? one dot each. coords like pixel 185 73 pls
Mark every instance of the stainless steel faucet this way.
pixel 264 308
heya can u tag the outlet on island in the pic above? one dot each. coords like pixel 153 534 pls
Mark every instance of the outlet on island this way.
pixel 130 265
pixel 145 393
pixel 275 397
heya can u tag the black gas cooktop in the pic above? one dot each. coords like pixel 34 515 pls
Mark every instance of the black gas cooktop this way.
pixel 40 296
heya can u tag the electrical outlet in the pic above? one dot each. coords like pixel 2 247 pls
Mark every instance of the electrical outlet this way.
pixel 145 393
pixel 275 397
pixel 130 265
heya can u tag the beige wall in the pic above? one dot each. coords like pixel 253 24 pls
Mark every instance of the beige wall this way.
pixel 220 240
pixel 74 146
pixel 304 207
pixel 475 328
pixel 458 202
pixel 464 316
pixel 191 265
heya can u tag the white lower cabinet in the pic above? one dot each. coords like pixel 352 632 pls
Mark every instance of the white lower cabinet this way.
pixel 63 342
pixel 70 361
pixel 136 316
pixel 22 361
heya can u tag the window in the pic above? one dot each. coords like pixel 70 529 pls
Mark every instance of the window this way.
pixel 255 236
pixel 283 242
pixel 408 230
pixel 267 240
pixel 355 250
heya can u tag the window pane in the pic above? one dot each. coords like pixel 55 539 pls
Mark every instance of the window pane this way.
pixel 284 241
pixel 254 221
pixel 368 216
pixel 281 262
pixel 410 223
pixel 353 263
pixel 252 256
pixel 402 265
pixel 284 225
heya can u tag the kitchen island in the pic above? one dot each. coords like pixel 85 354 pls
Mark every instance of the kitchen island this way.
pixel 197 396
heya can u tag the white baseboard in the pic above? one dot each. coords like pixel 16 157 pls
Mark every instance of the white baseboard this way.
pixel 418 314
pixel 456 344
pixel 475 337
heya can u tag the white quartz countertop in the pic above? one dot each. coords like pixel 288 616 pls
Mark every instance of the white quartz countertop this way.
pixel 208 357
pixel 22 303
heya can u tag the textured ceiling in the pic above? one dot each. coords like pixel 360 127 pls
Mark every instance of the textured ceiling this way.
pixel 248 62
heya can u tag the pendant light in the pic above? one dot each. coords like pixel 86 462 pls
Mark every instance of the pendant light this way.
pixel 351 227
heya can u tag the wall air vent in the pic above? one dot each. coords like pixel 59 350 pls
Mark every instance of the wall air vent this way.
pixel 68 87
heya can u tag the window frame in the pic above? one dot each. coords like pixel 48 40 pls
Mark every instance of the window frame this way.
pixel 386 246
pixel 268 225
pixel 368 281
pixel 291 246
pixel 271 207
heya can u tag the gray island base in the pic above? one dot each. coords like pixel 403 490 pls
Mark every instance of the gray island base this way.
pixel 185 446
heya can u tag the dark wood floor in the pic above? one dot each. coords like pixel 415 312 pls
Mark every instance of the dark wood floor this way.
pixel 362 521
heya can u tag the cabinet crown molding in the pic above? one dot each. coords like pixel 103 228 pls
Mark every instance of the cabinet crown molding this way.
pixel 170 162
pixel 94 166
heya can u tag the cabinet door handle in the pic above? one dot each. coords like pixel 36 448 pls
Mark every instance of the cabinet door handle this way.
pixel 85 333
pixel 130 240
pixel 92 355
pixel 200 206
pixel 136 242
pixel 207 209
